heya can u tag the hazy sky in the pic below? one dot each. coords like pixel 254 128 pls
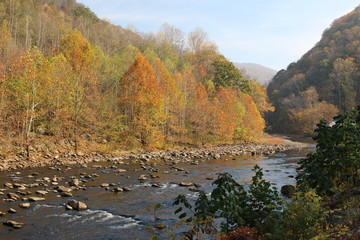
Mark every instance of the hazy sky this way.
pixel 273 33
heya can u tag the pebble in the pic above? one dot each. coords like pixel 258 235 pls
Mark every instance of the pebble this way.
pixel 126 189
pixel 11 210
pixel 13 224
pixel 13 196
pixel 36 199
pixel 41 192
pixel 24 205
pixel 184 184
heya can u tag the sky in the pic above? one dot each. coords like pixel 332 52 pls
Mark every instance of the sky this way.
pixel 273 33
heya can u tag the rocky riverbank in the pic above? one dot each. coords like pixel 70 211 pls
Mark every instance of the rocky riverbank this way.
pixel 191 155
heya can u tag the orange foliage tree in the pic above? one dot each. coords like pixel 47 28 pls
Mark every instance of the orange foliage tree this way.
pixel 226 117
pixel 200 115
pixel 173 102
pixel 142 103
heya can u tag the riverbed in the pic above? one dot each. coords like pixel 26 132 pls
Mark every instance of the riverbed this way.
pixel 126 214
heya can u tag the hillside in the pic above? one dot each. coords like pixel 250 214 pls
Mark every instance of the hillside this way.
pixel 325 80
pixel 67 76
pixel 261 73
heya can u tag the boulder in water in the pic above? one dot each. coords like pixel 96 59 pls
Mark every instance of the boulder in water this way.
pixel 288 190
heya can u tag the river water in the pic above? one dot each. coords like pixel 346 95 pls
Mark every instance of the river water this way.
pixel 126 215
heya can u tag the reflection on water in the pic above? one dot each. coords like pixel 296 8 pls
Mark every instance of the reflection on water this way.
pixel 124 215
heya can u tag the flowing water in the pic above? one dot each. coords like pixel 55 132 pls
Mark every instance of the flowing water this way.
pixel 126 215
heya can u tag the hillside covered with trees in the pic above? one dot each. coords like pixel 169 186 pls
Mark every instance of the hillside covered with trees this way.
pixel 323 82
pixel 66 74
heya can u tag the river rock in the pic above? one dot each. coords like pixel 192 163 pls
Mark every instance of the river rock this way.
pixel 74 182
pixel 117 189
pixel 41 192
pixel 66 194
pixel 184 184
pixel 194 189
pixel 36 199
pixel 13 224
pixel 2 214
pixel 105 185
pixel 68 207
pixel 288 190
pixel 126 189
pixel 11 210
pixel 24 205
pixel 8 185
pixel 142 177
pixel 120 170
pixel 77 205
pixel 13 196
pixel 63 189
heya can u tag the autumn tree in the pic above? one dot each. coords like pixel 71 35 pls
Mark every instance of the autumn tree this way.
pixel 225 114
pixel 306 119
pixel 8 50
pixel 259 95
pixel 252 123
pixel 200 116
pixel 26 85
pixel 142 103
pixel 173 102
pixel 343 76
pixel 81 56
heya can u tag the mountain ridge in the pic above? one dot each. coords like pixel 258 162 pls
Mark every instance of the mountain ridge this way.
pixel 254 70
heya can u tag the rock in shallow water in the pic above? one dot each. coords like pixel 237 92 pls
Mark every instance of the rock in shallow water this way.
pixel 184 184
pixel 77 205
pixel 36 199
pixel 24 205
pixel 288 190
pixel 13 224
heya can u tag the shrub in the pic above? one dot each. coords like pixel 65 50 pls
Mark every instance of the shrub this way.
pixel 335 164
pixel 232 204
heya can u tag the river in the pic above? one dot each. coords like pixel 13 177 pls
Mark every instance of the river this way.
pixel 125 215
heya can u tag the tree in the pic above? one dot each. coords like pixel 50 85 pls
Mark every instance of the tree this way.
pixel 335 164
pixel 8 50
pixel 200 115
pixel 225 115
pixel 259 95
pixel 252 122
pixel 227 75
pixel 306 119
pixel 142 103
pixel 29 75
pixel 81 56
pixel 173 102
pixel 344 76
pixel 232 204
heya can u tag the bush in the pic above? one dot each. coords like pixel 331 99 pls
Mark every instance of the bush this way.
pixel 242 233
pixel 335 165
pixel 232 204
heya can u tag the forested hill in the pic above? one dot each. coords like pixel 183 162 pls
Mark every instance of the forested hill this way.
pixel 66 74
pixel 325 80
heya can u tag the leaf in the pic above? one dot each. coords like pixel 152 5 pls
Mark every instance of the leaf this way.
pixel 178 210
